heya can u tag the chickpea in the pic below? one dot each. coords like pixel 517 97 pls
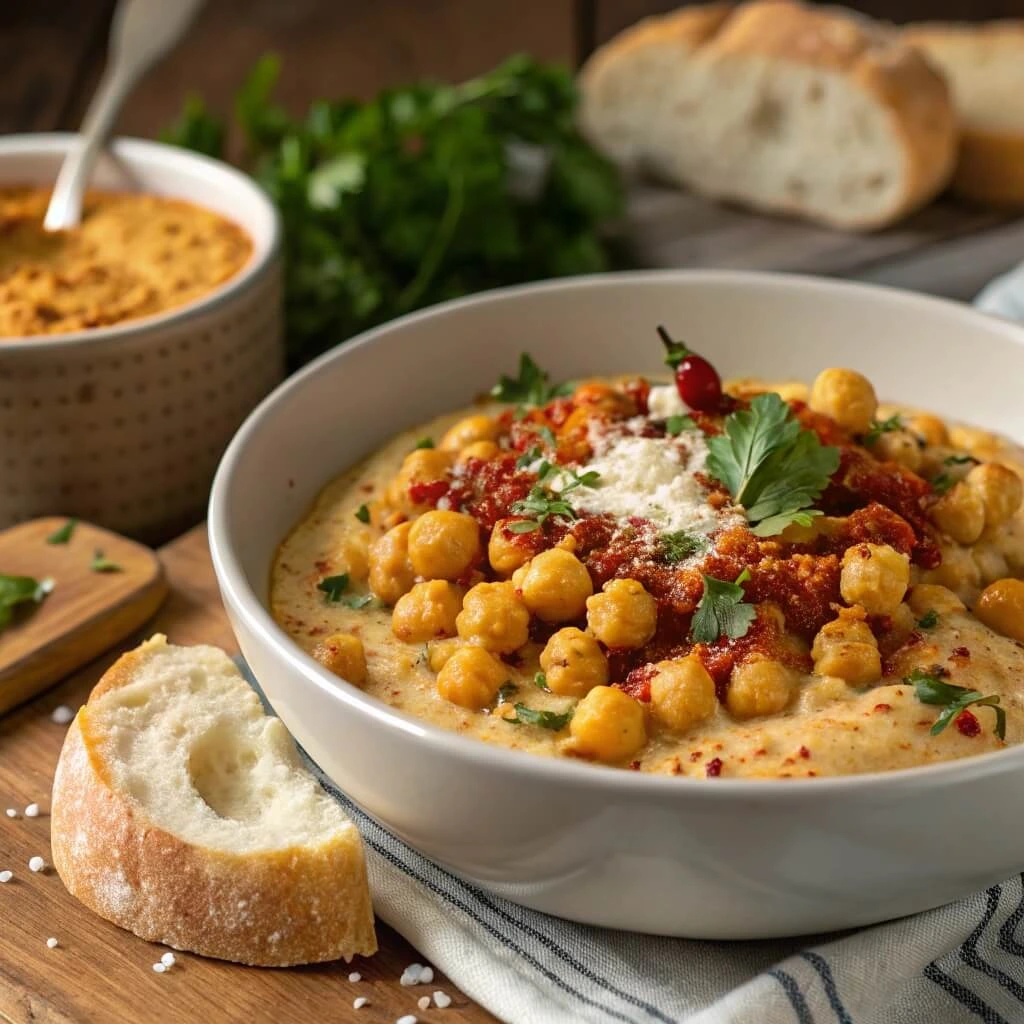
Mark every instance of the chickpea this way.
pixel 1001 608
pixel 427 612
pixel 958 571
pixel 960 514
pixel 875 576
pixel 926 597
pixel 623 615
pixel 899 446
pixel 598 395
pixel 1000 491
pixel 468 430
pixel 847 397
pixel 608 725
pixel 990 560
pixel 443 544
pixel 760 686
pixel 682 693
pixel 355 550
pixel 507 551
pixel 391 573
pixel 422 465
pixel 484 451
pixel 847 648
pixel 556 586
pixel 471 678
pixel 981 443
pixel 343 654
pixel 439 651
pixel 930 429
pixel 493 617
pixel 573 663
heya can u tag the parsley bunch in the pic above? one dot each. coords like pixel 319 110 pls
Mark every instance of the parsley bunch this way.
pixel 425 193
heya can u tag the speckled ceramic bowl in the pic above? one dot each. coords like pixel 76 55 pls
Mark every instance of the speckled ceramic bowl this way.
pixel 124 425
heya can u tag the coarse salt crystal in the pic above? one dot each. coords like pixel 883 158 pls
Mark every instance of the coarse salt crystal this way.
pixel 51 942
pixel 159 967
pixel 423 1002
pixel 32 811
pixel 61 714
pixel 442 1000
pixel 359 1002
pixel 407 1019
pixel 6 876
pixel 426 976
pixel 36 864
pixel 411 975
pixel 168 960
pixel 354 977
pixel 11 812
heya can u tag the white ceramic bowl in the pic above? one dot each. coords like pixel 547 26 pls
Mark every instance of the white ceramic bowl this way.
pixel 124 425
pixel 700 858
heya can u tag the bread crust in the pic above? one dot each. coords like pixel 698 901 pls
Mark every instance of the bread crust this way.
pixel 273 908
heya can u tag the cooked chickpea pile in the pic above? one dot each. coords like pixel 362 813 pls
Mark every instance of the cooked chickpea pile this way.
pixel 492 607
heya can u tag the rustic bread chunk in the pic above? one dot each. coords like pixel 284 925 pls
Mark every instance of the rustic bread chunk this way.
pixel 181 811
pixel 810 111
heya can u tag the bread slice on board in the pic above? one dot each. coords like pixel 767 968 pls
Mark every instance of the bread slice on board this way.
pixel 182 812
pixel 811 111
pixel 984 65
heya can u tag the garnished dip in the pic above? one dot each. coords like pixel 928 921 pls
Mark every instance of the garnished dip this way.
pixel 687 577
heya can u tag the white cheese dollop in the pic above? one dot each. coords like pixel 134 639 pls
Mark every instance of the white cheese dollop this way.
pixel 664 401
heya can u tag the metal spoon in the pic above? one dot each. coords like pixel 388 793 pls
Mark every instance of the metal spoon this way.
pixel 141 32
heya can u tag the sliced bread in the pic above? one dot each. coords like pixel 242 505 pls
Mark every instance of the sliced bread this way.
pixel 781 106
pixel 984 65
pixel 182 812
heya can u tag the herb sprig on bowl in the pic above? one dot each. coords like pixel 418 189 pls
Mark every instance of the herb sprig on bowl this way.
pixel 953 699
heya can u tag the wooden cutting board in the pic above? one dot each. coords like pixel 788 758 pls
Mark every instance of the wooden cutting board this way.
pixel 100 974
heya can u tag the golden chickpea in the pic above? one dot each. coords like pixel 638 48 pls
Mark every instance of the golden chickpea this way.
pixel 930 429
pixel 990 560
pixel 608 725
pixel 343 654
pixel 468 430
pixel 682 693
pixel 573 663
pixel 623 615
pixel 958 571
pixel 981 443
pixel 846 397
pixel 427 612
pixel 471 678
pixel 926 597
pixel 899 446
pixel 391 573
pixel 507 551
pixel 423 465
pixel 556 586
pixel 355 550
pixel 1000 491
pixel 760 686
pixel 847 648
pixel 875 576
pixel 482 450
pixel 1001 608
pixel 493 617
pixel 439 651
pixel 960 514
pixel 443 544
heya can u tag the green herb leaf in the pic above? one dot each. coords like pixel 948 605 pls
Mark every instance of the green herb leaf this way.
pixel 770 465
pixel 675 425
pixel 196 129
pixel 18 590
pixel 880 427
pixel 63 534
pixel 523 526
pixel 357 601
pixel 958 460
pixel 680 545
pixel 425 442
pixel 545 719
pixel 506 692
pixel 530 456
pixel 942 483
pixel 540 680
pixel 539 505
pixel 333 587
pixel 929 620
pixel 722 611
pixel 531 387
pixel 100 563
pixel 363 514
pixel 930 690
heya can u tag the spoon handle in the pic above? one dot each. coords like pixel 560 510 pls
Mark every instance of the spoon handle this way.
pixel 141 32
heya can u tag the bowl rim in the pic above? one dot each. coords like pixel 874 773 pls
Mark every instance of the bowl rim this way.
pixel 239 595
pixel 134 151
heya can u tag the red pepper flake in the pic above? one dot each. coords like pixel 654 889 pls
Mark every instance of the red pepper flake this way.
pixel 760 752
pixel 428 492
pixel 696 755
pixel 883 707
pixel 805 753
pixel 634 766
pixel 960 652
pixel 713 768
pixel 968 724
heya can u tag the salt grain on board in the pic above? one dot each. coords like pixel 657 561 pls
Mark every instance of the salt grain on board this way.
pixel 61 714
pixel 426 976
pixel 32 811
pixel 411 975
pixel 407 1019
pixel 6 876
pixel 354 977
pixel 11 812
pixel 423 1002
pixel 168 960
pixel 359 1002
pixel 51 942
pixel 442 1000
pixel 159 968
pixel 36 864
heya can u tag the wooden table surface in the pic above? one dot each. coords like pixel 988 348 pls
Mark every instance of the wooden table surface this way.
pixel 100 974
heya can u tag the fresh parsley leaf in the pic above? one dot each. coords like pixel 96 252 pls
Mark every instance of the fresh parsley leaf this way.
pixel 929 620
pixel 930 690
pixel 958 460
pixel 357 601
pixel 531 387
pixel 100 563
pixel 530 456
pixel 506 692
pixel 770 465
pixel 63 534
pixel 880 427
pixel 363 514
pixel 545 719
pixel 680 545
pixel 675 425
pixel 523 526
pixel 722 611
pixel 539 506
pixel 540 680
pixel 196 129
pixel 17 590
pixel 942 483
pixel 333 586
pixel 425 442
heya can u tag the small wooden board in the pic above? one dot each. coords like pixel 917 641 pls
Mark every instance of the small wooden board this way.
pixel 85 614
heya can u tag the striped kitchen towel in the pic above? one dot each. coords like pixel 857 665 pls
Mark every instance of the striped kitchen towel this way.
pixel 960 963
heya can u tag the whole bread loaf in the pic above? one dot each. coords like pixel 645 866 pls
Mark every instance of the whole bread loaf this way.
pixel 811 111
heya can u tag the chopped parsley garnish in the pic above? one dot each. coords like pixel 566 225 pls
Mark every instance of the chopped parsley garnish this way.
pixel 63 534
pixel 357 601
pixel 334 586
pixel 958 460
pixel 363 514
pixel 541 504
pixel 929 620
pixel 100 563
pixel 880 427
pixel 425 442
pixel 540 680
pixel 722 611
pixel 942 483
pixel 930 690
pixel 545 719
pixel 677 424
pixel 680 545
pixel 530 456
pixel 771 466
pixel 506 692
pixel 16 590
pixel 531 387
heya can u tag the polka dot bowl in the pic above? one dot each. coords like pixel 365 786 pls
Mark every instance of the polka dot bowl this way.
pixel 124 425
